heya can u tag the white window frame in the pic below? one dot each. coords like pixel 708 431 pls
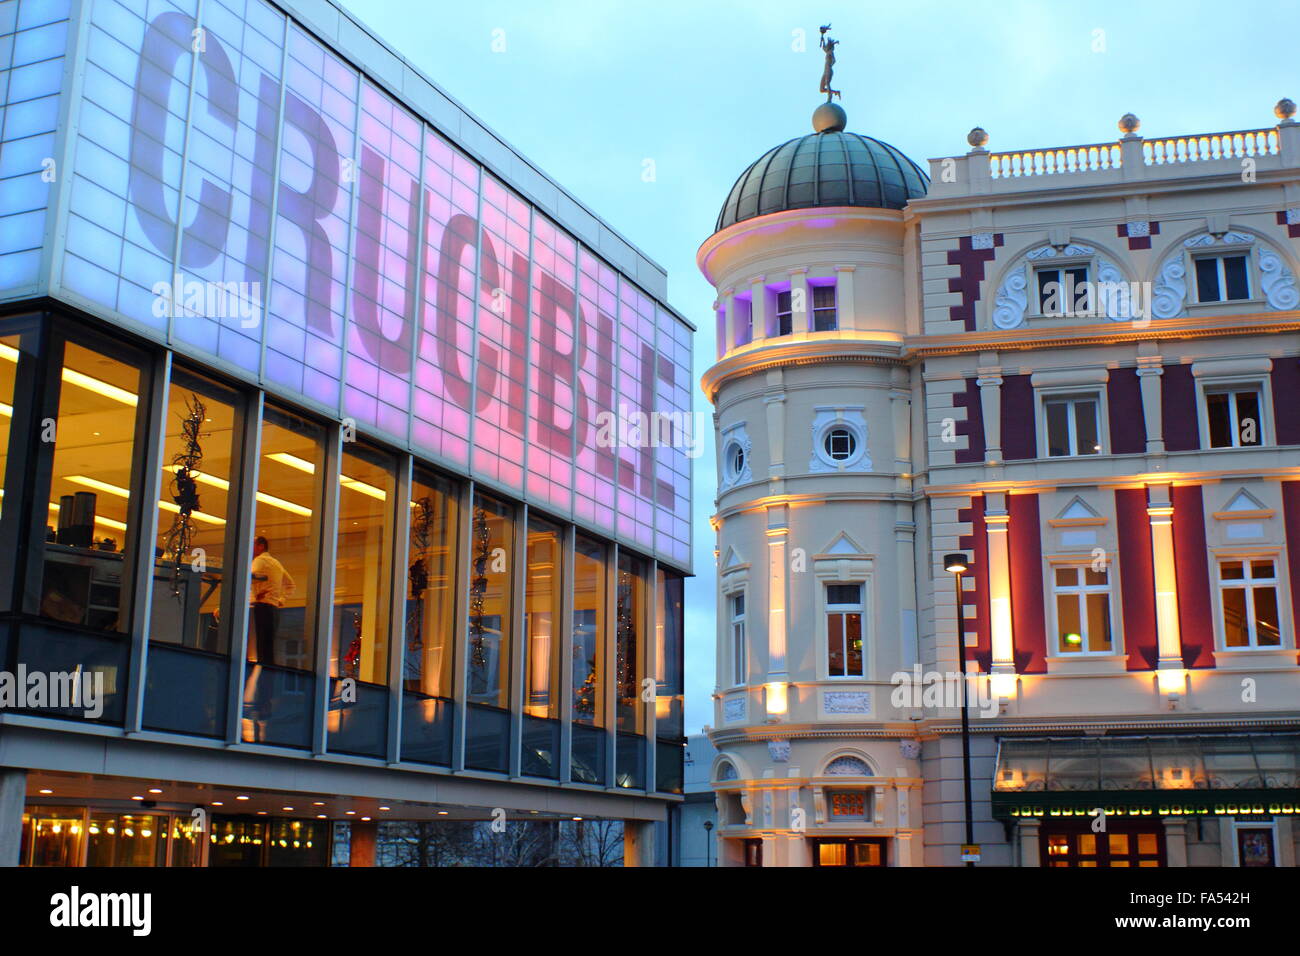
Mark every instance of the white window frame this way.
pixel 1219 255
pixel 1080 591
pixel 778 314
pixel 1247 583
pixel 827 419
pixel 1072 395
pixel 1060 266
pixel 860 608
pixel 738 659
pixel 1234 385
pixel 813 286
pixel 735 435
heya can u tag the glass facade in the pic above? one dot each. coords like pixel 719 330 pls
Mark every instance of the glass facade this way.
pixel 269 590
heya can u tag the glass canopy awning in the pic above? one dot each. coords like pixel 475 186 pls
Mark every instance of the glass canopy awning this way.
pixel 1164 774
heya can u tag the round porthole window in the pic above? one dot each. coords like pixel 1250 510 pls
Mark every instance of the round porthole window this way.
pixel 840 444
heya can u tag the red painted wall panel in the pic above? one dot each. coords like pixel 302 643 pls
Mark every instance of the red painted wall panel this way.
pixel 1028 623
pixel 1137 579
pixel 1192 566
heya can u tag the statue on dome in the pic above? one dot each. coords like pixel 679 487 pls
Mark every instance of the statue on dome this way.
pixel 829 45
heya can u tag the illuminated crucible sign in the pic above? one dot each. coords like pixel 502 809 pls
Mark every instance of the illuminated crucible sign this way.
pixel 243 194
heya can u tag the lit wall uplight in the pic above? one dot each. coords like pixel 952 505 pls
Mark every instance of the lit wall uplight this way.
pixel 777 701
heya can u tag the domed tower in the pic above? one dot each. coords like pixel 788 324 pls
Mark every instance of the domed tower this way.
pixel 814 520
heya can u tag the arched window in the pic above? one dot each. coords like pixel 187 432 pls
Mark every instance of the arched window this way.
pixel 847 766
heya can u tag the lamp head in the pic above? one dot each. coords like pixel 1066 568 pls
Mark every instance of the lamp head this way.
pixel 955 563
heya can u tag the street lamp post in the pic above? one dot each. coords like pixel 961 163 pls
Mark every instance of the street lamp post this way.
pixel 956 565
pixel 708 843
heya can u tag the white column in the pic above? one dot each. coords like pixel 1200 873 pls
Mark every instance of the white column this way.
pixel 638 843
pixel 845 316
pixel 758 307
pixel 1149 371
pixel 1028 830
pixel 729 318
pixel 1175 841
pixel 777 679
pixel 990 386
pixel 800 301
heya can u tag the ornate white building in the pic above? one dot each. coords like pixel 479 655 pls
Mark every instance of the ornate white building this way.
pixel 1079 368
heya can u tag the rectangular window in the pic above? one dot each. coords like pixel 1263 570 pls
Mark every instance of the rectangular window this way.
pixel 542 620
pixel 1248 588
pixel 588 632
pixel 628 628
pixel 1233 417
pixel 363 566
pixel 848 804
pixel 189 625
pixel 784 314
pixel 1222 278
pixel 1072 426
pixel 287 545
pixel 825 318
pixel 431 586
pixel 430 623
pixel 844 630
pixel 670 649
pixel 1064 291
pixel 86 578
pixel 487 715
pixel 739 672
pixel 1082 610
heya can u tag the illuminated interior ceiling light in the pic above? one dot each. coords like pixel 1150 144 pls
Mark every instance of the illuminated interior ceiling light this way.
pixel 202 478
pixel 8 352
pixel 360 486
pixel 293 461
pixel 121 492
pixel 6 410
pixel 1074 638
pixel 283 505
pixel 92 384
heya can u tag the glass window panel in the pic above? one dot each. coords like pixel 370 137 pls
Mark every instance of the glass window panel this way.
pixel 287 545
pixel 1078 298
pixel 9 345
pixel 1219 419
pixel 431 586
pixel 1207 280
pixel 628 630
pixel 1049 292
pixel 853 643
pixel 1058 429
pixel 1094 578
pixel 670 651
pixel 1261 569
pixel 86 576
pixel 1098 622
pixel 1085 428
pixel 1067 576
pixel 363 566
pixel 196 532
pixel 1267 633
pixel 1235 630
pixel 588 632
pixel 1070 633
pixel 1248 421
pixel 1231 570
pixel 1147 843
pixel 835 644
pixel 1235 277
pixel 1118 843
pixel 542 621
pixel 52 837
pixel 847 594
pixel 490 593
pixel 1087 844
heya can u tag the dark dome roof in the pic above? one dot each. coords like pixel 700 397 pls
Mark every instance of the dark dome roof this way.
pixel 833 168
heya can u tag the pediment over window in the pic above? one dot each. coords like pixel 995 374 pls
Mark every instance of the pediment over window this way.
pixel 1077 512
pixel 843 544
pixel 1243 505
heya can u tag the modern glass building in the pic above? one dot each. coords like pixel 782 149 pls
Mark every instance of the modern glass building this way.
pixel 346 455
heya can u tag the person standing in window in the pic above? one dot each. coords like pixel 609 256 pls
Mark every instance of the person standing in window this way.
pixel 271 582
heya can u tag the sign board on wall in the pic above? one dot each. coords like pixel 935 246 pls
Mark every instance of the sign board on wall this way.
pixel 239 191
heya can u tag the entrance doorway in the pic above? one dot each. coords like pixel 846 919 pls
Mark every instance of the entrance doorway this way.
pixel 1123 844
pixel 850 851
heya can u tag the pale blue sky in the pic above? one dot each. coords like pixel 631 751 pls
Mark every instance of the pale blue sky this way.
pixel 589 90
